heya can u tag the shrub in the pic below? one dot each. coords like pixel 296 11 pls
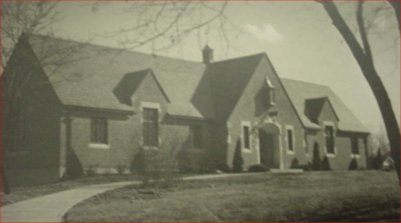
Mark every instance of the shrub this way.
pixel 295 164
pixel 258 168
pixel 184 162
pixel 353 165
pixel 238 161
pixel 73 166
pixel 375 160
pixel 91 171
pixel 306 167
pixel 388 164
pixel 371 162
pixel 191 160
pixel 325 165
pixel 379 160
pixel 121 169
pixel 316 165
pixel 138 163
pixel 156 167
pixel 223 167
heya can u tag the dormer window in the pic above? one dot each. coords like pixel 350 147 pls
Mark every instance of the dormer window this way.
pixel 271 93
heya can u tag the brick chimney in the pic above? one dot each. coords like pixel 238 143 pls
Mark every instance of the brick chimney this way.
pixel 207 53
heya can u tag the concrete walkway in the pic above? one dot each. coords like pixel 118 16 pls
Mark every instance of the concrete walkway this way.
pixel 52 207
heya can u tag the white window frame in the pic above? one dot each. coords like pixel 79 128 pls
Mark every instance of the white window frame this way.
pixel 95 145
pixel 151 105
pixel 98 146
pixel 292 129
pixel 326 123
pixel 246 124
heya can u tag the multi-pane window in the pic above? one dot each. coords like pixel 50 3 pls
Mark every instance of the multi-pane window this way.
pixel 271 92
pixel 329 132
pixel 150 127
pixel 246 137
pixel 99 130
pixel 196 136
pixel 290 140
pixel 272 96
pixel 354 146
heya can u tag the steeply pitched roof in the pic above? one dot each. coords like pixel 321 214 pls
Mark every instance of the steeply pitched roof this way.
pixel 229 79
pixel 131 82
pixel 87 75
pixel 314 106
pixel 78 77
pixel 300 91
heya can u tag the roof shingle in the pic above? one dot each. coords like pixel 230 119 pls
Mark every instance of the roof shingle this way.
pixel 192 89
pixel 300 91
pixel 93 67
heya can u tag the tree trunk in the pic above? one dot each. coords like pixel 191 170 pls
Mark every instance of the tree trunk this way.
pixel 396 6
pixel 365 61
pixel 387 112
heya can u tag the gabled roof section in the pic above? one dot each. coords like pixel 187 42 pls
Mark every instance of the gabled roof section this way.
pixel 131 82
pixel 314 106
pixel 300 91
pixel 229 79
pixel 85 74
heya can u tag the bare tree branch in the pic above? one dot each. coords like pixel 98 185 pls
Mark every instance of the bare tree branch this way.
pixel 165 24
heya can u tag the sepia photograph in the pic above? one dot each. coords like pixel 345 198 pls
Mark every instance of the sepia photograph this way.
pixel 200 111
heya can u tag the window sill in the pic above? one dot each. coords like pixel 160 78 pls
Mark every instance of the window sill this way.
pixel 246 151
pixel 330 155
pixel 150 148
pixel 356 156
pixel 98 146
pixel 290 152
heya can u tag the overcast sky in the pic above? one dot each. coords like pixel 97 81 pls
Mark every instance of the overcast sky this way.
pixel 297 36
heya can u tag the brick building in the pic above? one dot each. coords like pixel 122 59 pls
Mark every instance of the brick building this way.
pixel 104 104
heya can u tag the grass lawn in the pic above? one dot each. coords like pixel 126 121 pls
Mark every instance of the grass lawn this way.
pixel 308 196
pixel 23 193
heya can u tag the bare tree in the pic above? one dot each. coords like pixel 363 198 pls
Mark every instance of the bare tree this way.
pixel 363 55
pixel 20 17
pixel 164 24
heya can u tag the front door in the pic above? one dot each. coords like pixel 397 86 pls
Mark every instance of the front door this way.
pixel 267 149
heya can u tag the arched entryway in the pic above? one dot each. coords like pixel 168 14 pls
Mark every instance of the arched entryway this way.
pixel 269 146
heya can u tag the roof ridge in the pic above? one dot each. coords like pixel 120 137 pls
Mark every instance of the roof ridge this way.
pixel 108 47
pixel 305 82
pixel 237 58
pixel 318 98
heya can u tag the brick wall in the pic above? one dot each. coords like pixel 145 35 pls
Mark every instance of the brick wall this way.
pixel 125 133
